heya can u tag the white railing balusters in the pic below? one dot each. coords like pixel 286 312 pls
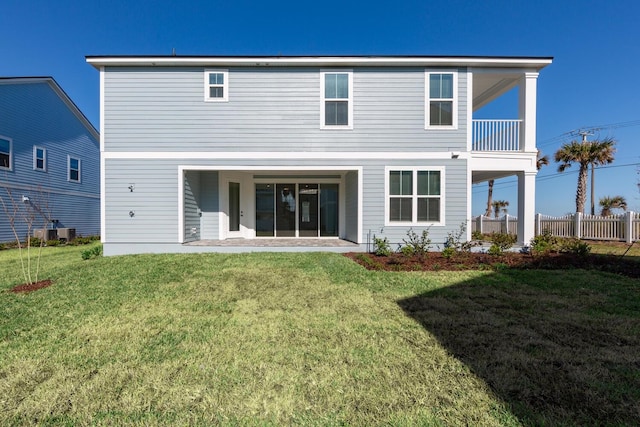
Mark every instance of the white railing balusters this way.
pixel 496 135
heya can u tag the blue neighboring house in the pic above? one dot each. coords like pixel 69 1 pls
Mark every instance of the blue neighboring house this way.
pixel 49 158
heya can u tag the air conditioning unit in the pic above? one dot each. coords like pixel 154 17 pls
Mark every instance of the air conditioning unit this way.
pixel 66 234
pixel 45 234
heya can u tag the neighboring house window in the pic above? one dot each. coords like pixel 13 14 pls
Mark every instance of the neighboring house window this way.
pixel 441 108
pixel 39 158
pixel 6 153
pixel 415 196
pixel 336 111
pixel 74 169
pixel 216 85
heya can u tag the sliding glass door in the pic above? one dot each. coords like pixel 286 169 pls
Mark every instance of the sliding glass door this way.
pixel 297 210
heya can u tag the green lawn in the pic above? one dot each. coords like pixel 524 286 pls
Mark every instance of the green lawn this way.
pixel 313 339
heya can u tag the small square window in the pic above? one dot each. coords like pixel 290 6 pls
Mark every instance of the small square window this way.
pixel 415 196
pixel 39 158
pixel 216 85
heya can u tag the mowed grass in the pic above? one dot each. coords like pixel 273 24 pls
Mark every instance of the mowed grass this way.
pixel 313 339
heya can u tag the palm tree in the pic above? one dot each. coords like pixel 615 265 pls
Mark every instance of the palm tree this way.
pixel 499 206
pixel 540 161
pixel 584 154
pixel 616 202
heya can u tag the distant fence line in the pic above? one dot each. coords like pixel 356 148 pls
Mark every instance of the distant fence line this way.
pixel 623 227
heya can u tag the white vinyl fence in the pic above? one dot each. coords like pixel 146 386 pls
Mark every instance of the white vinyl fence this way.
pixel 624 227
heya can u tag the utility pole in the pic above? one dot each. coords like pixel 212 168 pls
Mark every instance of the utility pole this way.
pixel 584 134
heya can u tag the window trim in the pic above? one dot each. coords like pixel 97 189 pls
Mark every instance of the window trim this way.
pixel 225 85
pixel 428 99
pixel 69 157
pixel 10 140
pixel 414 197
pixel 35 158
pixel 323 100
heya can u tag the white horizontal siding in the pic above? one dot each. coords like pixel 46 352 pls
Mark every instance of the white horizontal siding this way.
pixel 269 109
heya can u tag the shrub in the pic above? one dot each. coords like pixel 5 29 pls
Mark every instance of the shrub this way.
pixel 495 250
pixel 448 252
pixel 34 242
pixel 54 242
pixel 477 235
pixel 381 246
pixel 407 251
pixel 419 244
pixel 503 241
pixel 544 243
pixel 574 246
pixel 79 241
pixel 92 253
pixel 456 240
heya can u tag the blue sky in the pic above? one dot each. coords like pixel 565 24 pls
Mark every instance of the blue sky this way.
pixel 593 81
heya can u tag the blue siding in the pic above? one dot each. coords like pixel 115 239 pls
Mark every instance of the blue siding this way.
pixel 35 113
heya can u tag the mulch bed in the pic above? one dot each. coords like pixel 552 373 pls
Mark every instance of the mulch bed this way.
pixel 434 261
pixel 30 287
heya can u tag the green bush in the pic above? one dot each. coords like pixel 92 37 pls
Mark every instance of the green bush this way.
pixel 381 246
pixel 574 246
pixel 457 240
pixel 419 244
pixel 34 241
pixel 448 252
pixel 92 253
pixel 477 235
pixel 53 242
pixel 502 241
pixel 495 250
pixel 544 243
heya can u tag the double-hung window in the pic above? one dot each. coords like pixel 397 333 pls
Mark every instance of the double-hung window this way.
pixel 441 100
pixel 73 164
pixel 6 152
pixel 216 85
pixel 39 158
pixel 415 196
pixel 336 110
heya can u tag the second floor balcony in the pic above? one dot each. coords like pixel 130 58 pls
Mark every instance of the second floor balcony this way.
pixel 496 135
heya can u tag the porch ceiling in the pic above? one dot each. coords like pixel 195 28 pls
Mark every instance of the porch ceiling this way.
pixel 482 176
pixel 489 86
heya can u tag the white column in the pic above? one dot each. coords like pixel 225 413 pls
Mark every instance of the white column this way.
pixel 526 206
pixel 527 113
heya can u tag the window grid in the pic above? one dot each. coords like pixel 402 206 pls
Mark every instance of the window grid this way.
pixel 336 100
pixel 39 158
pixel 414 196
pixel 216 85
pixel 441 100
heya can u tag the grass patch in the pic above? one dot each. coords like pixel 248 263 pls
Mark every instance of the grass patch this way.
pixel 312 339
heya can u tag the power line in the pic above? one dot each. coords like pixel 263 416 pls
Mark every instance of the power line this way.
pixel 564 136
pixel 512 182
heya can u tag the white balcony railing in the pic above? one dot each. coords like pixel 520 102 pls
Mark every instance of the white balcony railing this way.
pixel 496 135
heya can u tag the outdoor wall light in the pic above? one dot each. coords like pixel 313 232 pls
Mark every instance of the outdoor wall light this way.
pixel 455 154
pixel 131 187
pixel 132 214
pixel 25 199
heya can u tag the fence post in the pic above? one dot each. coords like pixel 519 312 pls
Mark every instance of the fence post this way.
pixel 479 224
pixel 506 223
pixel 577 221
pixel 628 227
pixel 536 230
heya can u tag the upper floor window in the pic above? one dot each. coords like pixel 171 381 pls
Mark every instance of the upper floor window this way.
pixel 441 108
pixel 6 152
pixel 73 169
pixel 415 196
pixel 39 158
pixel 216 85
pixel 336 111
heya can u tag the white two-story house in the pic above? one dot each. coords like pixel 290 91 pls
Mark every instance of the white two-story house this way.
pixel 214 153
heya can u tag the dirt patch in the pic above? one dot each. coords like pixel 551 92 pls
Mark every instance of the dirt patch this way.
pixel 435 261
pixel 30 287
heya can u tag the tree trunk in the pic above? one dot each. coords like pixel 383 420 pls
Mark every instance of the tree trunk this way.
pixel 489 199
pixel 581 193
pixel 593 187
